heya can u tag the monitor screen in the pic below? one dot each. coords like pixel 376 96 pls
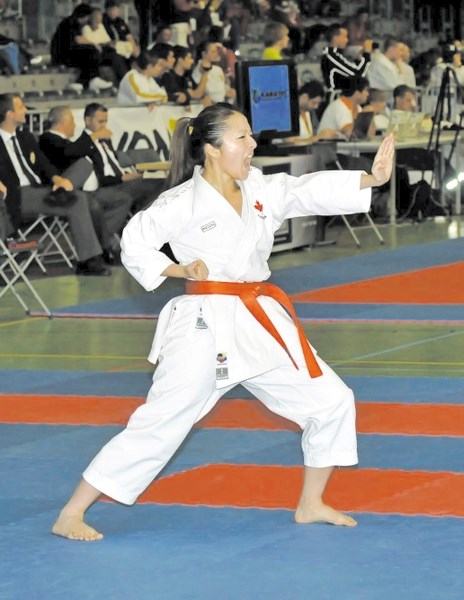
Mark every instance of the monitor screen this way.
pixel 267 93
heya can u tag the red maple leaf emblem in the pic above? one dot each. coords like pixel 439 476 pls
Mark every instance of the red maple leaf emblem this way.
pixel 258 206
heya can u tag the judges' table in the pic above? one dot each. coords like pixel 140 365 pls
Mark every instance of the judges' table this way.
pixel 371 146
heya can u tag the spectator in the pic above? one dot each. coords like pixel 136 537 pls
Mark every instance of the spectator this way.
pixel 384 73
pixel 451 59
pixel 95 33
pixel 118 30
pixel 235 16
pixel 176 14
pixel 109 209
pixel 406 72
pixel 139 86
pixel 404 98
pixel 163 35
pixel 340 114
pixel 357 27
pixel 310 95
pixel 337 70
pixel 288 13
pixel 23 165
pixel 70 48
pixel 179 84
pixel 377 103
pixel 423 63
pixel 165 52
pixel 227 57
pixel 217 87
pixel 276 39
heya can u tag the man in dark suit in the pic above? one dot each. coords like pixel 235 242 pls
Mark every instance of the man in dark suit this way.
pixel 95 143
pixel 109 208
pixel 23 165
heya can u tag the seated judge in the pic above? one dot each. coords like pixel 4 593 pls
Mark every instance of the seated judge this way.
pixel 109 207
pixel 95 143
pixel 23 165
pixel 310 96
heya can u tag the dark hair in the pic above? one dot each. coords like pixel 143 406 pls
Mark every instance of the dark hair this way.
pixel 273 32
pixel 181 52
pixel 189 139
pixel 6 104
pixel 81 11
pixel 390 42
pixel 92 108
pixel 353 85
pixel 332 31
pixel 401 90
pixel 146 58
pixel 112 3
pixel 313 89
pixel 161 50
pixel 203 47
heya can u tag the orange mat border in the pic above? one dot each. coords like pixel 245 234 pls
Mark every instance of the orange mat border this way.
pixel 278 487
pixel 435 285
pixel 372 417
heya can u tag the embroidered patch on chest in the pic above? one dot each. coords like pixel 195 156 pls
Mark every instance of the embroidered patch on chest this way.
pixel 208 226
pixel 259 208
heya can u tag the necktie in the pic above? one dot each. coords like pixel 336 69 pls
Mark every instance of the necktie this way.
pixel 113 164
pixel 31 176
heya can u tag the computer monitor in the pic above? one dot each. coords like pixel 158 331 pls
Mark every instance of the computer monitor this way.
pixel 267 94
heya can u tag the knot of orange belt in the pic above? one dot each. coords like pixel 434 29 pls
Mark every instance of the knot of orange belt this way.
pixel 248 294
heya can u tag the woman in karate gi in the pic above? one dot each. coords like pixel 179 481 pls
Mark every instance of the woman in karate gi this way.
pixel 219 216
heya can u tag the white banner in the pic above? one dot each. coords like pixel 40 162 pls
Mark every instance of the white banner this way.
pixel 138 127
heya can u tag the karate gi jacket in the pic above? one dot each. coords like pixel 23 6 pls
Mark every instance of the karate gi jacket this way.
pixel 199 223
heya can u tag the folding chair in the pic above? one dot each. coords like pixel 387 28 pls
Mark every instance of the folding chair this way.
pixel 54 239
pixel 14 261
pixel 329 155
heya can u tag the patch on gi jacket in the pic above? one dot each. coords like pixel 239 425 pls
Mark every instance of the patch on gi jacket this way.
pixel 259 207
pixel 222 370
pixel 208 226
pixel 200 323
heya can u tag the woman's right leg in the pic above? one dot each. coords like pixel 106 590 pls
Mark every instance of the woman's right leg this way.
pixel 184 386
pixel 70 523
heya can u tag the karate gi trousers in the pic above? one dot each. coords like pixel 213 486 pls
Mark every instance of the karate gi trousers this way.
pixel 184 390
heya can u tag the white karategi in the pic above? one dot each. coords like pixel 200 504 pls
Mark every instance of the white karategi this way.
pixel 206 344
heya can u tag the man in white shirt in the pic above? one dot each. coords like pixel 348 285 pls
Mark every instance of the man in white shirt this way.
pixel 407 75
pixel 383 72
pixel 340 114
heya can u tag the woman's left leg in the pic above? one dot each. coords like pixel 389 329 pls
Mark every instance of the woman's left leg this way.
pixel 324 408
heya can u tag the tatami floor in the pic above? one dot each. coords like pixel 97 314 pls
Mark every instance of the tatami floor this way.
pixel 218 523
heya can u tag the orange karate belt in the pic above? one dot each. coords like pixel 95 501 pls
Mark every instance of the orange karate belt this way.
pixel 248 294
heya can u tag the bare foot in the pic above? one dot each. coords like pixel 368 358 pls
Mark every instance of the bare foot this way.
pixel 73 527
pixel 321 513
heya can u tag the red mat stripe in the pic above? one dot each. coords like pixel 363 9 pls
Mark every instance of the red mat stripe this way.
pixel 436 285
pixel 277 487
pixel 373 417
